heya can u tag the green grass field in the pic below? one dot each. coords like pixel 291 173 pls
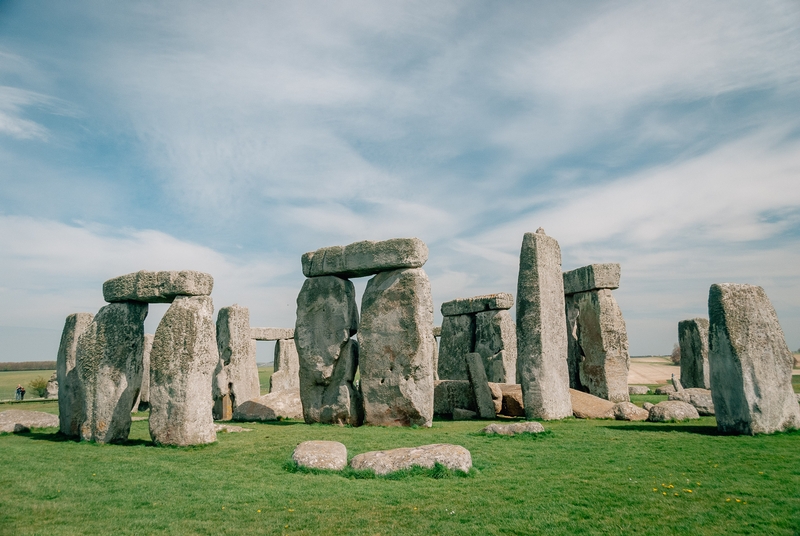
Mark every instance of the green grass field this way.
pixel 10 379
pixel 591 477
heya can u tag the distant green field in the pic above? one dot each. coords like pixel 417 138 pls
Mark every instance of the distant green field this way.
pixel 10 379
pixel 264 374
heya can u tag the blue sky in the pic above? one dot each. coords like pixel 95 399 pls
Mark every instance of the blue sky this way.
pixel 233 137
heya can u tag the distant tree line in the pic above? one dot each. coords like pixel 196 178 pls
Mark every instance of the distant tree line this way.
pixel 28 365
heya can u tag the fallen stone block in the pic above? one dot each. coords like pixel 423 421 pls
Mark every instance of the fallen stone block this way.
pixel 463 414
pixel 451 394
pixel 365 258
pixel 17 421
pixel 586 406
pixel 530 427
pixel 513 405
pixel 665 389
pixel 157 287
pixel 628 411
pixel 672 410
pixel 638 390
pixel 271 334
pixel 477 304
pixel 701 399
pixel 383 462
pixel 230 429
pixel 497 396
pixel 271 407
pixel 592 277
pixel 646 406
pixel 330 455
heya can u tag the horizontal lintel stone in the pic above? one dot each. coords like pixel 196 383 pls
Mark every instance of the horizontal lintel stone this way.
pixel 365 258
pixel 477 304
pixel 592 277
pixel 157 287
pixel 271 334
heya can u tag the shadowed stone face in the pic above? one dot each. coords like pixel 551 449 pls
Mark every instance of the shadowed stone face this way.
pixel 693 340
pixel 750 364
pixel 70 396
pixel 592 277
pixel 496 342
pixel 458 339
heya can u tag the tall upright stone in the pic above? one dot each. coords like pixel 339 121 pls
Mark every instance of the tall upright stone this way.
pixel 496 342
pixel 70 397
pixel 693 341
pixel 143 402
pixel 109 362
pixel 750 363
pixel 327 318
pixel 236 374
pixel 396 343
pixel 541 332
pixel 286 362
pixel 457 340
pixel 182 365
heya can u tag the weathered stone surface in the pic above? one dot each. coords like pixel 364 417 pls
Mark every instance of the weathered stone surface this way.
pixel 665 389
pixel 230 429
pixel 271 334
pixel 327 316
pixel 463 414
pixel 396 344
pixel 458 339
pixel 19 421
pixel 496 341
pixel 592 277
pixel 599 344
pixel 383 462
pixel 109 363
pixel 365 258
pixel 628 411
pixel 70 401
pixel 477 304
pixel 750 364
pixel 287 367
pixel 274 406
pixel 480 386
pixel 437 331
pixel 693 340
pixel 451 394
pixel 586 406
pixel 514 428
pixel 182 365
pixel 236 374
pixel 497 396
pixel 647 405
pixel 222 409
pixel 51 389
pixel 157 287
pixel 672 410
pixel 321 455
pixel 513 405
pixel 638 389
pixel 143 402
pixel 676 383
pixel 700 398
pixel 541 337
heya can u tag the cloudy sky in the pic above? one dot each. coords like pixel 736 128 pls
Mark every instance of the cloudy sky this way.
pixel 232 137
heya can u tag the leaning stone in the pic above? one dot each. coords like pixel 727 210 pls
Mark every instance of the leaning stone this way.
pixel 182 365
pixel 236 374
pixel 676 383
pixel 638 389
pixel 665 389
pixel 628 411
pixel 271 334
pixel 143 402
pixel 592 277
pixel 109 363
pixel 51 389
pixel 672 410
pixel 157 287
pixel 480 386
pixel 330 455
pixel 458 339
pixel 496 341
pixel 516 428
pixel 271 407
pixel 451 394
pixel 365 258
pixel 586 406
pixel 383 462
pixel 463 414
pixel 17 421
pixel 750 364
pixel 396 344
pixel 541 337
pixel 700 398
pixel 647 405
pixel 513 405
pixel 327 318
pixel 70 401
pixel 602 344
pixel 693 340
pixel 287 367
pixel 477 304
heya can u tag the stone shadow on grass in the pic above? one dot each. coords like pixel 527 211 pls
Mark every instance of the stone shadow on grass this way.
pixel 709 430
pixel 58 437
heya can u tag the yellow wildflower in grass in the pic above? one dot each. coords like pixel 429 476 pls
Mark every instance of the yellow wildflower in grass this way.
pixel 655 489
pixel 677 494
pixel 291 509
pixel 738 500
pixel 663 493
pixel 687 490
pixel 259 511
pixel 727 500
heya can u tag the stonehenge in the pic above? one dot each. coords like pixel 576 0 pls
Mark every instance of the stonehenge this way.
pixel 598 341
pixel 286 364
pixel 70 396
pixel 750 365
pixel 693 341
pixel 479 324
pixel 236 376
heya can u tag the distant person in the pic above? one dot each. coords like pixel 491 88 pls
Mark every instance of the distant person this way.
pixel 18 392
pixel 21 393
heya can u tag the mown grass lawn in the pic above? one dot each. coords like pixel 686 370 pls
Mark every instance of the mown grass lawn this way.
pixel 11 378
pixel 590 477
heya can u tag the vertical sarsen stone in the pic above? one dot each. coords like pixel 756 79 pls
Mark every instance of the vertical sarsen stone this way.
pixel 70 395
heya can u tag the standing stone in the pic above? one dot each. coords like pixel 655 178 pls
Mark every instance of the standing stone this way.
pixel 70 399
pixel 182 365
pixel 51 389
pixel 396 339
pixel 287 367
pixel 750 364
pixel 601 339
pixel 143 402
pixel 480 386
pixel 693 340
pixel 541 333
pixel 457 340
pixel 496 341
pixel 327 318
pixel 237 371
pixel 109 364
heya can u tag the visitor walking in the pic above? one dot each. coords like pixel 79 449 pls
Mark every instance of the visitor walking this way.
pixel 18 392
